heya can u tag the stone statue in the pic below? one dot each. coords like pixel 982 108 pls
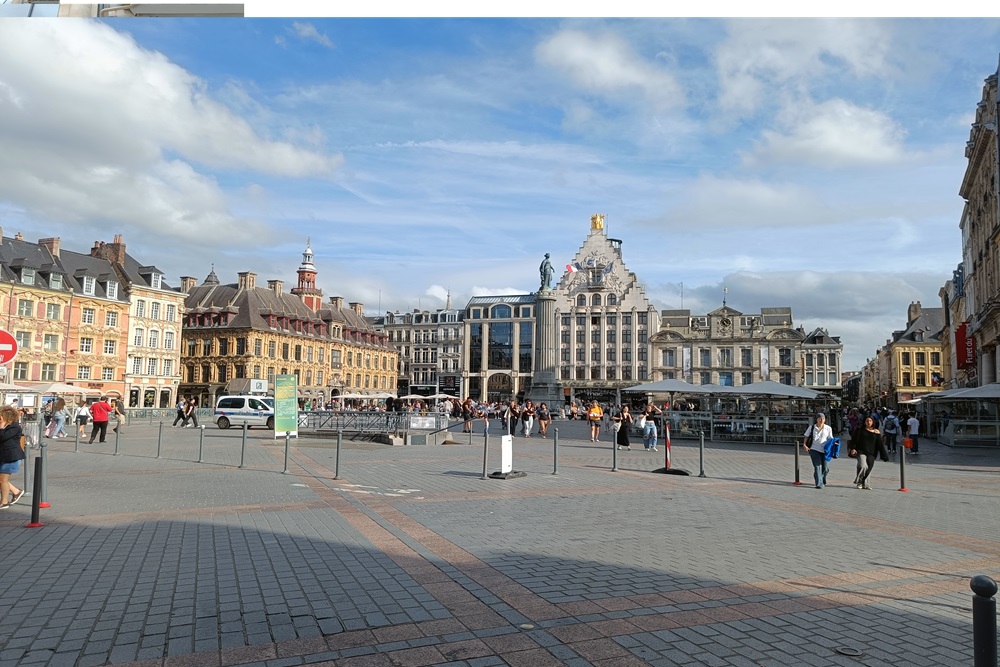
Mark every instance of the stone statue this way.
pixel 545 272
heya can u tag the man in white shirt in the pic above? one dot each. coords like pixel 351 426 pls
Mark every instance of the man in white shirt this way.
pixel 912 431
pixel 821 433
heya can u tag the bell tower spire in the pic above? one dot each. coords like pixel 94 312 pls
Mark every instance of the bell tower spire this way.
pixel 306 288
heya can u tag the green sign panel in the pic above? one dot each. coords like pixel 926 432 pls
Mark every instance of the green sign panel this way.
pixel 286 406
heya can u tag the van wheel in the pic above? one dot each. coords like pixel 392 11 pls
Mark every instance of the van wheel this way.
pixel 270 423
pixel 223 423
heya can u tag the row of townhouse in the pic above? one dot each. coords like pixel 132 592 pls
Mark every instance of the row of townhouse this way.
pixel 106 322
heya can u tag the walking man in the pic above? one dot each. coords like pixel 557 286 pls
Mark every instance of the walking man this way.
pixel 913 431
pixel 181 409
pixel 99 411
pixel 890 429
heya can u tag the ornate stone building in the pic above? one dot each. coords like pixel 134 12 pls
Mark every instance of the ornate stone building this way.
pixel 69 313
pixel 911 364
pixel 152 373
pixel 731 348
pixel 430 345
pixel 236 332
pixel 604 321
pixel 980 223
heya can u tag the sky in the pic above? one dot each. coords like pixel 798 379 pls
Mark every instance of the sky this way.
pixel 794 162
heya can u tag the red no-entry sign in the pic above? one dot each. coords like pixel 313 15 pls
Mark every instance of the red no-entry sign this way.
pixel 8 347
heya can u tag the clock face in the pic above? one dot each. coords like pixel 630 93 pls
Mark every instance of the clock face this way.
pixel 726 322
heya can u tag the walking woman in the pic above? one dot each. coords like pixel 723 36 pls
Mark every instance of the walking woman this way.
pixel 11 455
pixel 59 417
pixel 190 413
pixel 544 419
pixel 623 422
pixel 467 413
pixel 594 415
pixel 81 416
pixel 527 418
pixel 511 416
pixel 648 423
pixel 866 442
pixel 814 440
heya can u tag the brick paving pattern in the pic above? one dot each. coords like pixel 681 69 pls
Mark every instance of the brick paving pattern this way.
pixel 410 558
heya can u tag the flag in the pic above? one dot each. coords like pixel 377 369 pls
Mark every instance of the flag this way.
pixel 607 269
pixel 574 267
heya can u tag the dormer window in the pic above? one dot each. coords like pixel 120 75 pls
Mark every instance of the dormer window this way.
pixel 88 285
pixel 55 281
pixel 112 289
pixel 28 276
pixel 156 281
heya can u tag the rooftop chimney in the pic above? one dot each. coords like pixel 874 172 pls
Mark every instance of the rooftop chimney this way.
pixel 275 286
pixel 358 308
pixel 188 283
pixel 913 312
pixel 247 280
pixel 18 237
pixel 52 245
pixel 114 252
pixel 337 301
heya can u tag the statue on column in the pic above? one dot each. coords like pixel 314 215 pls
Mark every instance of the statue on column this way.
pixel 545 273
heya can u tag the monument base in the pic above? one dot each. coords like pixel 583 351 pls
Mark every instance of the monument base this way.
pixel 513 474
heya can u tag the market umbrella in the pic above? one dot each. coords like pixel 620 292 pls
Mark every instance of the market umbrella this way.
pixel 57 388
pixel 670 385
pixel 991 390
pixel 774 389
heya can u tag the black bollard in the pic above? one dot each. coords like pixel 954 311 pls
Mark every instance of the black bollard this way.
pixel 797 481
pixel 902 470
pixel 340 438
pixel 201 444
pixel 486 448
pixel 76 446
pixel 614 456
pixel 43 500
pixel 555 452
pixel 701 454
pixel 36 498
pixel 243 447
pixel 984 621
pixel 117 443
pixel 159 440
pixel 285 471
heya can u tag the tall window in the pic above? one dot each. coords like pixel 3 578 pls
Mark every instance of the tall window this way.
pixel 52 311
pixel 746 357
pixel 50 343
pixel 785 357
pixel 154 338
pixel 23 339
pixel 140 336
pixel 258 347
pixel 920 358
pixel 151 366
pixel 705 357
pixel 48 372
pixel 111 319
pixel 905 357
pixel 171 314
pixel 25 308
pixel 88 285
pixel 785 377
pixel 935 358
pixel 28 276
pixel 746 378
pixel 136 365
pixel 109 347
pixel 168 341
pixel 83 372
pixel 726 358
pixel 705 377
pixel 112 289
pixel 86 345
pixel 20 370
pixel 154 310
pixel 271 348
pixel 108 373
pixel 669 358
pixel 87 317
pixel 140 308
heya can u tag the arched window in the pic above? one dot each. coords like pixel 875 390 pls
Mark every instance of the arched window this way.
pixel 500 312
pixel 595 300
pixel 581 300
pixel 612 300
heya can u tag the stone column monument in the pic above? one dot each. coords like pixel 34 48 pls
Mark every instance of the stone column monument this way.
pixel 545 387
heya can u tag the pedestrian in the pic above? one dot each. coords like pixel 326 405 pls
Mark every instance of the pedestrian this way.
pixel 61 416
pixel 890 429
pixel 913 432
pixel 544 418
pixel 866 444
pixel 815 440
pixel 99 412
pixel 573 411
pixel 119 413
pixel 191 413
pixel 622 421
pixel 648 423
pixel 81 416
pixel 11 455
pixel 511 415
pixel 527 418
pixel 181 409
pixel 594 415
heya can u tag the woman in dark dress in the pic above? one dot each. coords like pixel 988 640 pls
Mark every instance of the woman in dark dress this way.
pixel 866 443
pixel 11 455
pixel 623 422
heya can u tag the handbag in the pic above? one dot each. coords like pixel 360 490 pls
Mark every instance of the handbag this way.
pixel 617 426
pixel 809 440
pixel 908 443
pixel 642 421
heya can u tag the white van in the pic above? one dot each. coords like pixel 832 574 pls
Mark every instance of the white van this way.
pixel 235 410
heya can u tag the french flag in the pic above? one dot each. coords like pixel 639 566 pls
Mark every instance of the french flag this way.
pixel 574 267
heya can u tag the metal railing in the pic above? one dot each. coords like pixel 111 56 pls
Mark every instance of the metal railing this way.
pixel 370 422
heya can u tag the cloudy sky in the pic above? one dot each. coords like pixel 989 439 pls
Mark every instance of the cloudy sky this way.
pixel 808 163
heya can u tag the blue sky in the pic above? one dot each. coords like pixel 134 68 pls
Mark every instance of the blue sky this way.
pixel 810 163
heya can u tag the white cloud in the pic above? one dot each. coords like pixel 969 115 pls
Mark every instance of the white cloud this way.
pixel 762 59
pixel 713 202
pixel 834 133
pixel 606 65
pixel 100 131
pixel 308 32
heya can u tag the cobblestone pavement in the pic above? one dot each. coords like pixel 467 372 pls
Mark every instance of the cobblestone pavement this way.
pixel 408 557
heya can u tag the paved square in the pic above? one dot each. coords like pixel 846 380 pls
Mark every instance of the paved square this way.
pixel 410 558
